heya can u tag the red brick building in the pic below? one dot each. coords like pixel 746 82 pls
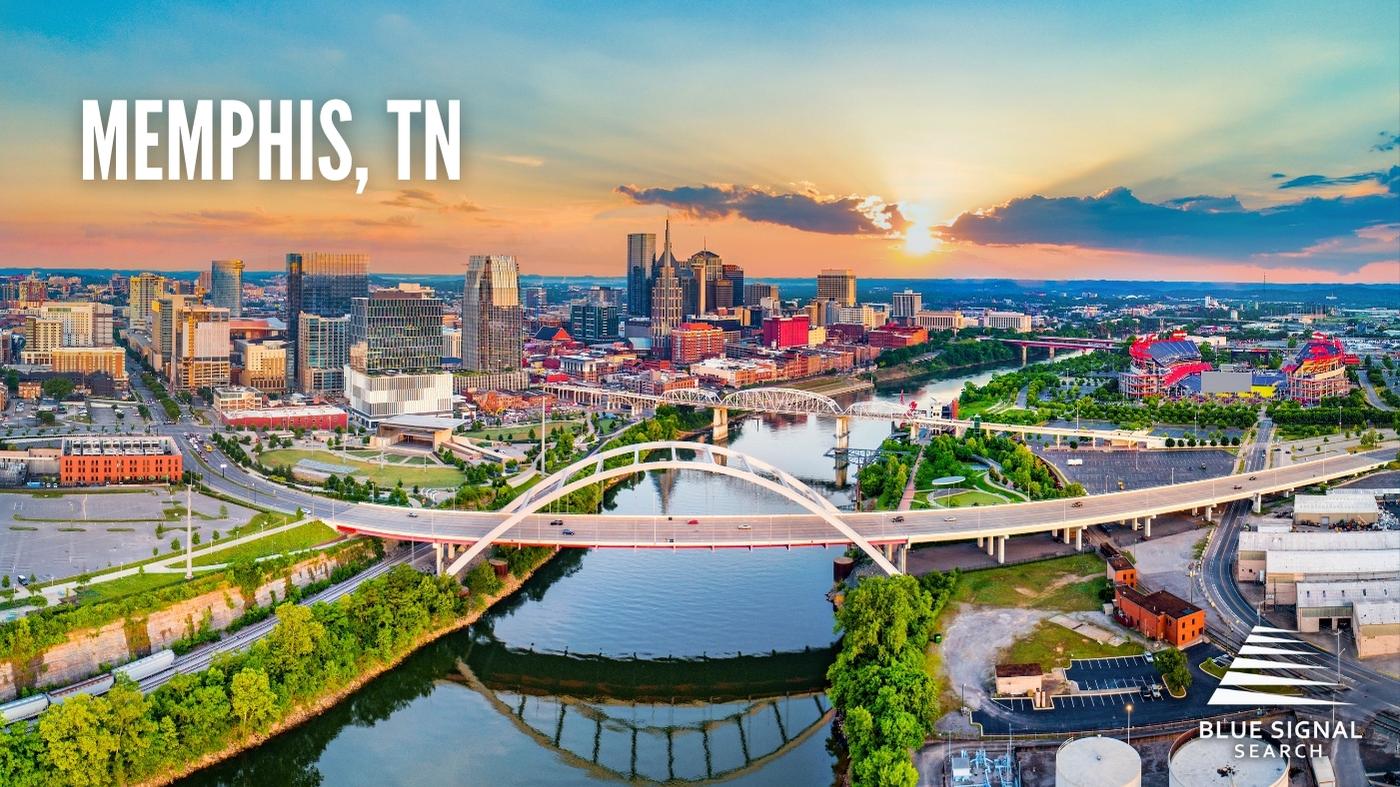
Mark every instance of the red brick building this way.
pixel 695 341
pixel 95 461
pixel 893 335
pixel 780 332
pixel 1160 615
pixel 1121 571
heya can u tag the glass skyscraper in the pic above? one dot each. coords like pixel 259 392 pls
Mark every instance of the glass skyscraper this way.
pixel 492 320
pixel 322 284
pixel 226 286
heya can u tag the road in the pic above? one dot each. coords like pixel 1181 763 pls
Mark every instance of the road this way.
pixel 1373 397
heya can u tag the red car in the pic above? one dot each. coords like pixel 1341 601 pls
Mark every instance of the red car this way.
pixel 693 522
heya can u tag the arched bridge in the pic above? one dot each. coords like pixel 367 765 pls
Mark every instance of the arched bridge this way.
pixel 818 523
pixel 792 401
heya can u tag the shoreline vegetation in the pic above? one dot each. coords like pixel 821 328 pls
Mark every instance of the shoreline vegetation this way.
pixel 315 658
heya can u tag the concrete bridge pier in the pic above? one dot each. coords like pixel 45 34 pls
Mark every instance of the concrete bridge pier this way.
pixel 719 420
pixel 1210 514
pixel 843 444
pixel 1065 535
pixel 1147 527
pixel 980 542
pixel 991 545
pixel 1079 539
pixel 1258 504
pixel 1025 354
pixel 437 557
pixel 1052 352
pixel 1001 549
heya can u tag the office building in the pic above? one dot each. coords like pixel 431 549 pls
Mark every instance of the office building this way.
pixel 97 461
pixel 594 323
pixel 84 323
pixel 110 361
pixel 780 332
pixel 837 284
pixel 321 284
pixel 641 255
pixel 145 289
pixel 894 335
pixel 199 357
pixel 1007 321
pixel 907 304
pixel 755 293
pixel 164 315
pixel 492 320
pixel 395 365
pixel 264 365
pixel 322 351
pixel 667 298
pixel 695 341
pixel 41 337
pixel 940 320
pixel 1160 615
pixel 226 286
pixel 734 276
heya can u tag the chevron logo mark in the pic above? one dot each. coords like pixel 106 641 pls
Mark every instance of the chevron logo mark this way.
pixel 1269 650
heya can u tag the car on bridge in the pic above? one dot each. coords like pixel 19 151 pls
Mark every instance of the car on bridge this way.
pixel 745 526
pixel 693 522
pixel 556 522
pixel 566 532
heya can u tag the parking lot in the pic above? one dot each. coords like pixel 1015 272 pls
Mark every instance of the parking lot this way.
pixel 1125 677
pixel 1101 470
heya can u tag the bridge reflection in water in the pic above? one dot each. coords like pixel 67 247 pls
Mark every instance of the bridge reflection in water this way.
pixel 658 720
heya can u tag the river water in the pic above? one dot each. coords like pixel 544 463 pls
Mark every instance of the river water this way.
pixel 617 665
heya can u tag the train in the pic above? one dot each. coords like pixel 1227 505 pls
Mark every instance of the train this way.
pixel 138 670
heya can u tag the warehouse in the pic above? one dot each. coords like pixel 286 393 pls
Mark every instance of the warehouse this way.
pixel 1284 570
pixel 1377 627
pixel 1330 605
pixel 1254 545
pixel 1335 510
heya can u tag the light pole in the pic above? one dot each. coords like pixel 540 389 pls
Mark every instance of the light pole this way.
pixel 1129 709
pixel 189 531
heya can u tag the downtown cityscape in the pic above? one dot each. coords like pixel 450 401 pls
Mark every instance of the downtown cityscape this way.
pixel 1048 447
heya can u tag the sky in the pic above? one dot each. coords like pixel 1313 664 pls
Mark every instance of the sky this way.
pixel 1146 140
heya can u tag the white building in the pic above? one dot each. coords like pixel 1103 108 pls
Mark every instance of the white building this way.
pixel 375 397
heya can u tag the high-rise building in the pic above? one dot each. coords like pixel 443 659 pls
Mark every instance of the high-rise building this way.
pixel 707 268
pixel 755 293
pixel 536 298
pixel 838 284
pixel 492 323
pixel 667 299
pixel 322 284
pixel 907 304
pixel 594 323
pixel 226 285
pixel 395 365
pixel 780 332
pixel 323 350
pixel 735 276
pixel 41 337
pixel 201 349
pixel 145 288
pixel 641 256
pixel 165 313
pixel 264 365
pixel 692 342
pixel 85 324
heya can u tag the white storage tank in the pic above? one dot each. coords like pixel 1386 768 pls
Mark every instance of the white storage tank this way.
pixel 1097 762
pixel 1211 762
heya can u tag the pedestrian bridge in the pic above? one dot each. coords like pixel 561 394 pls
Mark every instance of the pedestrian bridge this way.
pixel 815 522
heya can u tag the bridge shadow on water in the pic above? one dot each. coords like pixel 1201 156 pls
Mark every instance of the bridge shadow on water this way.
pixel 606 717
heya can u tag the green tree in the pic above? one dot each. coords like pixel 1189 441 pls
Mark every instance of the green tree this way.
pixel 132 729
pixel 253 701
pixel 1171 665
pixel 78 742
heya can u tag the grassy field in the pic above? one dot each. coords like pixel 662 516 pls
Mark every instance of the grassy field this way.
pixel 1065 584
pixel 521 432
pixel 126 586
pixel 440 476
pixel 1051 645
pixel 301 537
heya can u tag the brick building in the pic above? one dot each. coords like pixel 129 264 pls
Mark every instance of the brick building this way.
pixel 94 461
pixel 1160 615
pixel 1121 571
pixel 893 335
pixel 696 341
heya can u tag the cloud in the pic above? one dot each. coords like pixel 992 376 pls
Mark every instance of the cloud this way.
pixel 808 211
pixel 1389 178
pixel 221 218
pixel 521 161
pixel 422 199
pixel 1191 226
pixel 1388 142
pixel 398 221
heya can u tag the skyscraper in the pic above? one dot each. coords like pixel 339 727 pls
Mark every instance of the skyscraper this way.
pixel 145 288
pixel 667 299
pixel 323 350
pixel 165 313
pixel 226 286
pixel 641 254
pixel 395 365
pixel 593 323
pixel 837 284
pixel 323 284
pixel 200 355
pixel 907 304
pixel 492 322
pixel 735 276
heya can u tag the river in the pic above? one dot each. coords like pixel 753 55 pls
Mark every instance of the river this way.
pixel 617 665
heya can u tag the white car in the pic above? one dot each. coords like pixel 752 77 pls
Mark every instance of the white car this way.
pixel 746 526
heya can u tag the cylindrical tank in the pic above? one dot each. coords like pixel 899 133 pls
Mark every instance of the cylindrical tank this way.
pixel 1200 762
pixel 841 568
pixel 499 566
pixel 1097 762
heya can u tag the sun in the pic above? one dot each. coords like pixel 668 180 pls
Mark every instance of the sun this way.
pixel 918 235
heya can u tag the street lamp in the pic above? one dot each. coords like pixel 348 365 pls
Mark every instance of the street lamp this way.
pixel 1129 709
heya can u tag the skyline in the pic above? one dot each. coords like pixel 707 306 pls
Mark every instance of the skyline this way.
pixel 1019 142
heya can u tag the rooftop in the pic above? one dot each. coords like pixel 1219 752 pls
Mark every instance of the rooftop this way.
pixel 422 422
pixel 1380 562
pixel 1019 670
pixel 1254 541
pixel 1341 593
pixel 1335 504
pixel 1160 602
pixel 1376 613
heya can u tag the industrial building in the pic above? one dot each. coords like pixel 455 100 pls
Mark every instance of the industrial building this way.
pixel 90 461
pixel 1019 680
pixel 1160 615
pixel 1335 510
pixel 1376 627
pixel 1253 547
pixel 1283 571
pixel 1211 762
pixel 1331 605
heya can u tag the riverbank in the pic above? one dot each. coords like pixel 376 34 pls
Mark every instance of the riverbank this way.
pixel 917 373
pixel 309 710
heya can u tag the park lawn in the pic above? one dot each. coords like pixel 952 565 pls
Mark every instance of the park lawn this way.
pixel 300 537
pixel 973 497
pixel 126 586
pixel 437 477
pixel 1051 645
pixel 521 432
pixel 1066 584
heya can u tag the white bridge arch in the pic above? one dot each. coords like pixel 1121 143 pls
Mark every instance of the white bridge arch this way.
pixel 708 459
pixel 782 400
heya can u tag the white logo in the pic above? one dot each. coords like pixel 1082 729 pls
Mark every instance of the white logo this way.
pixel 1281 654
